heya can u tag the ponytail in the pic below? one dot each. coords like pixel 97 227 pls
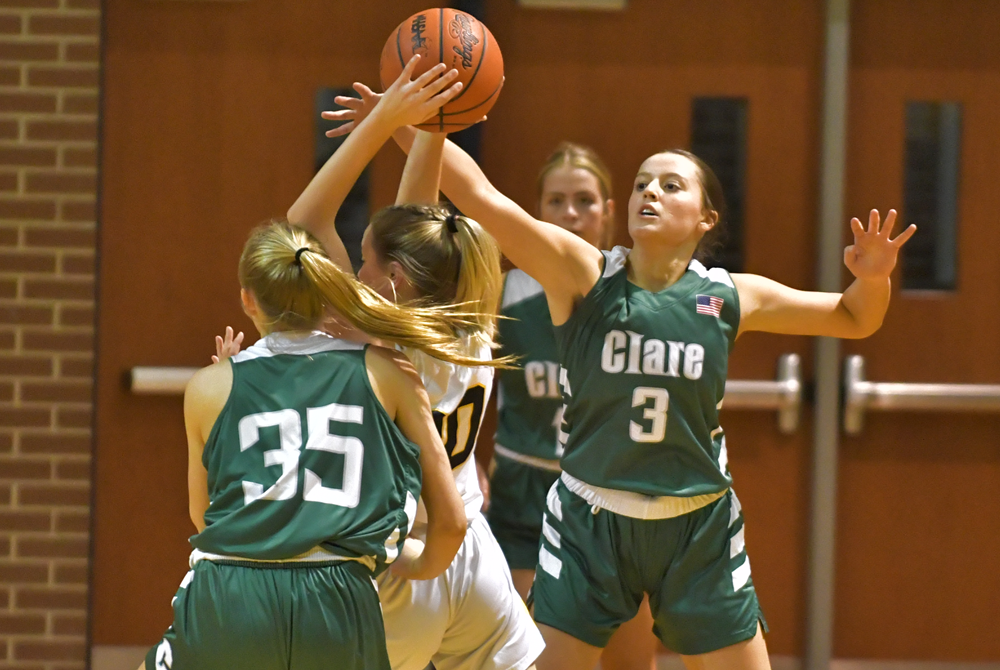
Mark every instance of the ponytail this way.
pixel 449 259
pixel 295 284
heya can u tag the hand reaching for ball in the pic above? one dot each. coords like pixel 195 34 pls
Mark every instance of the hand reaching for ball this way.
pixel 410 101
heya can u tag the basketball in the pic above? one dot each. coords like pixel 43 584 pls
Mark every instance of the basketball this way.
pixel 459 41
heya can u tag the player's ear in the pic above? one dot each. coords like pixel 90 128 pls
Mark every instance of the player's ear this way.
pixel 249 302
pixel 709 219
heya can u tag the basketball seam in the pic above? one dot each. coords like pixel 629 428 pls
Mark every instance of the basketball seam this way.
pixel 441 60
pixel 482 57
pixel 480 104
pixel 399 49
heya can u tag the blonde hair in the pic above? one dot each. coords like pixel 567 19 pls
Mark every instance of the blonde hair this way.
pixel 449 259
pixel 295 284
pixel 578 156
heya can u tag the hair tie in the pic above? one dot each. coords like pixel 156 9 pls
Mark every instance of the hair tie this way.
pixel 452 223
pixel 298 255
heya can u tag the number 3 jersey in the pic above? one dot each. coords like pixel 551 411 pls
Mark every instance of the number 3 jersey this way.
pixel 303 455
pixel 644 381
pixel 458 396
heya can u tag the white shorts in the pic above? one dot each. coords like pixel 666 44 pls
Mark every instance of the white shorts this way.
pixel 468 618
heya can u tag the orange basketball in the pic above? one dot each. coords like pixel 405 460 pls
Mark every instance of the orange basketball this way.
pixel 458 40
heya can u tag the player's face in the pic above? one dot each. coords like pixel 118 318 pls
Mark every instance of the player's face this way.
pixel 666 202
pixel 571 198
pixel 372 272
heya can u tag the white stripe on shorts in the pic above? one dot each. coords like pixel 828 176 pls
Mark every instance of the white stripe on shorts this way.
pixel 741 575
pixel 551 564
pixel 737 543
pixel 734 508
pixel 553 503
pixel 550 533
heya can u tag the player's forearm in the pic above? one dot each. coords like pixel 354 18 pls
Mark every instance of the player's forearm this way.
pixel 421 179
pixel 316 208
pixel 866 301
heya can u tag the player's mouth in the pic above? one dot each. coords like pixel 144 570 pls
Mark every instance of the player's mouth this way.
pixel 647 212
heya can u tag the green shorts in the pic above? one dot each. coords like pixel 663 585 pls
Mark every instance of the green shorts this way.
pixel 595 565
pixel 517 500
pixel 274 616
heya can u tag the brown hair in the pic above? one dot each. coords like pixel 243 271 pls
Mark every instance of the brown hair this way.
pixel 712 200
pixel 572 155
pixel 296 284
pixel 448 258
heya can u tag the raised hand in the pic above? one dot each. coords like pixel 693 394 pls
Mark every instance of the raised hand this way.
pixel 356 109
pixel 873 254
pixel 408 101
pixel 227 347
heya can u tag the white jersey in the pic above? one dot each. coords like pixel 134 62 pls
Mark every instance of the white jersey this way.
pixel 458 396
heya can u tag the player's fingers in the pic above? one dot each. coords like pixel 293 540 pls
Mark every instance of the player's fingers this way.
pixel 239 339
pixel 349 101
pixel 215 359
pixel 856 227
pixel 426 78
pixel 873 219
pixel 440 83
pixel 444 96
pixel 904 236
pixel 340 130
pixel 407 72
pixel 340 115
pixel 890 221
pixel 363 90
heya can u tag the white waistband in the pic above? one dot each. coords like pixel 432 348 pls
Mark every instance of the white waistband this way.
pixel 552 465
pixel 314 555
pixel 637 505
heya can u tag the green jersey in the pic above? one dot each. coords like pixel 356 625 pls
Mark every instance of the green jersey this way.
pixel 644 378
pixel 530 400
pixel 303 455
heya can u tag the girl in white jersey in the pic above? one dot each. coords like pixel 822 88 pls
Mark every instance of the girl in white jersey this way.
pixel 647 506
pixel 470 617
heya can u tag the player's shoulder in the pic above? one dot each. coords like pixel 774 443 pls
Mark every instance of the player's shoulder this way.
pixel 719 276
pixel 390 364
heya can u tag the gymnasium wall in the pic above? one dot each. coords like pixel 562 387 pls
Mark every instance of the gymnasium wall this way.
pixel 49 72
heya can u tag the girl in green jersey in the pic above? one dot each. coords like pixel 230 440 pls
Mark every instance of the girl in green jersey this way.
pixel 644 504
pixel 306 454
pixel 574 192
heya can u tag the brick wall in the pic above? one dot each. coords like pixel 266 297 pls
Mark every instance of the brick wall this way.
pixel 49 70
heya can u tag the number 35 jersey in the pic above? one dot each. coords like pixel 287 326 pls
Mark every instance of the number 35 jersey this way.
pixel 644 377
pixel 458 396
pixel 303 455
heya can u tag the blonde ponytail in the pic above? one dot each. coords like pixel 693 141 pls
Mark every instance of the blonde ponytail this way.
pixel 449 259
pixel 295 284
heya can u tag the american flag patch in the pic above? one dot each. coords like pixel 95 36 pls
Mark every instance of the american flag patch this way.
pixel 708 304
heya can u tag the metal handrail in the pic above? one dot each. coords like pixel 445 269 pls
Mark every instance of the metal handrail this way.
pixel 861 396
pixel 784 394
pixel 160 380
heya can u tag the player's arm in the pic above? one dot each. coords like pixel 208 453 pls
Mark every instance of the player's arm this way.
pixel 769 306
pixel 566 266
pixel 404 102
pixel 205 396
pixel 401 392
pixel 421 180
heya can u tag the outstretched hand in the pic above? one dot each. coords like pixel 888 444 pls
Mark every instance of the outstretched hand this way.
pixel 873 254
pixel 410 101
pixel 227 347
pixel 356 109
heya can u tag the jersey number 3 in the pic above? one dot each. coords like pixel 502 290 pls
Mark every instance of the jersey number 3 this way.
pixel 656 415
pixel 459 429
pixel 289 424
